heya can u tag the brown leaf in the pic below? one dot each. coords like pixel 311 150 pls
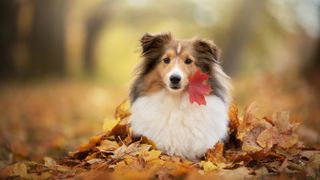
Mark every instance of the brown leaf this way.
pixel 282 133
pixel 215 154
pixel 249 139
pixel 281 120
pixel 120 130
pixel 133 149
pixel 145 140
pixel 233 117
pixel 288 140
pixel 92 142
pixel 107 145
pixel 49 162
pixel 250 122
pixel 268 138
pixel 108 124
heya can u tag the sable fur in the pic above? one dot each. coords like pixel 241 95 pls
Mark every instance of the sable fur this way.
pixel 167 117
pixel 206 52
pixel 152 49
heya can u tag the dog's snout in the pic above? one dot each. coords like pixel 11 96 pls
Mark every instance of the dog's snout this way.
pixel 175 79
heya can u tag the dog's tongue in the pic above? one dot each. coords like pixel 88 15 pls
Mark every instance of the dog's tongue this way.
pixel 198 87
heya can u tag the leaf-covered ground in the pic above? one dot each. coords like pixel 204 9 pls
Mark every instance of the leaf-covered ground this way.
pixel 257 147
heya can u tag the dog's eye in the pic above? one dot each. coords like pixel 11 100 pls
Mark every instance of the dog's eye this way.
pixel 166 60
pixel 188 61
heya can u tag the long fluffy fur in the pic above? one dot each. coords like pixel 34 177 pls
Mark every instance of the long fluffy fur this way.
pixel 176 126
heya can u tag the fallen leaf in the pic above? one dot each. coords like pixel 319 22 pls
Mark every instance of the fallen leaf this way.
pixel 92 142
pixel 208 166
pixel 20 169
pixel 288 140
pixel 120 130
pixel 133 149
pixel 233 118
pixel 282 133
pixel 151 155
pixel 122 110
pixel 108 124
pixel 49 162
pixel 268 138
pixel 215 155
pixel 107 145
pixel 146 140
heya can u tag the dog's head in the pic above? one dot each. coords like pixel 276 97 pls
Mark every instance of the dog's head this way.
pixel 167 63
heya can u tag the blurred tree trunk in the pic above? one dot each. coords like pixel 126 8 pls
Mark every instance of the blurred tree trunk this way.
pixel 46 42
pixel 8 37
pixel 240 33
pixel 311 71
pixel 94 24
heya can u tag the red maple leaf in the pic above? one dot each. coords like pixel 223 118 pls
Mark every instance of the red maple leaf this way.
pixel 198 87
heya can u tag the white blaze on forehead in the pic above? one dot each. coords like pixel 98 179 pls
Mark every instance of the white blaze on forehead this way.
pixel 176 70
pixel 178 48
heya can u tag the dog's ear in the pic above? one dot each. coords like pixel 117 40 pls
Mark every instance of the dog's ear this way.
pixel 207 48
pixel 151 42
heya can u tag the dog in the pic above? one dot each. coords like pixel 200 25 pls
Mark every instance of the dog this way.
pixel 160 109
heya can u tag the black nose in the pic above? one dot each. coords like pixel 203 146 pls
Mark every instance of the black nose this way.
pixel 175 79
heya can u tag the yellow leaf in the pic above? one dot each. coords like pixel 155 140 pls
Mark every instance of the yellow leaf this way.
pixel 20 169
pixel 250 147
pixel 122 110
pixel 91 156
pixel 49 162
pixel 208 166
pixel 120 165
pixel 92 142
pixel 107 145
pixel 108 125
pixel 145 140
pixel 156 163
pixel 151 155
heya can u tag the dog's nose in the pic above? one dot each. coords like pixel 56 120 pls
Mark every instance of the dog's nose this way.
pixel 175 79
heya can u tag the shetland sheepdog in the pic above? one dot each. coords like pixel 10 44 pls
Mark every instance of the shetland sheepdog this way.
pixel 160 107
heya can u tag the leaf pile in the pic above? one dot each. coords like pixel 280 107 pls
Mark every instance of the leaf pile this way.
pixel 257 147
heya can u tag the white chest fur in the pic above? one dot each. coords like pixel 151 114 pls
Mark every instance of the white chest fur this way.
pixel 177 126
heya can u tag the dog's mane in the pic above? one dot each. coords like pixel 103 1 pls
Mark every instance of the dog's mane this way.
pixel 207 55
pixel 208 60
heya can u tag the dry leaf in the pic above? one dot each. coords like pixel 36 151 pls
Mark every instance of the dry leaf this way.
pixel 151 155
pixel 233 117
pixel 208 166
pixel 120 130
pixel 108 125
pixel 49 162
pixel 268 138
pixel 282 133
pixel 92 142
pixel 107 145
pixel 123 110
pixel 145 140
pixel 215 155
pixel 198 87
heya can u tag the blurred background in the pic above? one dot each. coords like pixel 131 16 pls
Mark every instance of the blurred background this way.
pixel 66 64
